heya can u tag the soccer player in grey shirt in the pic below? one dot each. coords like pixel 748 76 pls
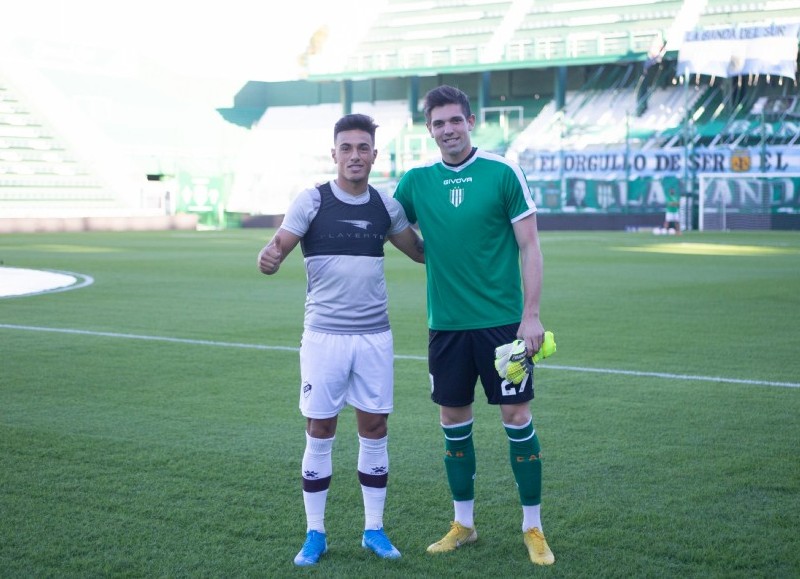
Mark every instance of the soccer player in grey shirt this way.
pixel 347 350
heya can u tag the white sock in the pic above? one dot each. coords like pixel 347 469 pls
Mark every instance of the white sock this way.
pixel 465 513
pixel 373 472
pixel 531 517
pixel 317 464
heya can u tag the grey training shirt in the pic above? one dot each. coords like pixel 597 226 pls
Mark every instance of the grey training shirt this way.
pixel 346 294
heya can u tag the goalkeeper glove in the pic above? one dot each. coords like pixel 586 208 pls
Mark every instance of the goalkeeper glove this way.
pixel 511 362
pixel 548 348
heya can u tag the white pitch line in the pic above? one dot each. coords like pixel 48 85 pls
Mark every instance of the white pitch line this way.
pixel 664 375
pixel 675 376
pixel 148 338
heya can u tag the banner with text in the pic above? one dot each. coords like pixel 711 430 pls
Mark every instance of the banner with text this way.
pixel 612 164
pixel 739 50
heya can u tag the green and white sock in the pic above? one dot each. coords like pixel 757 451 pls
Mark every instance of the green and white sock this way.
pixel 459 460
pixel 524 453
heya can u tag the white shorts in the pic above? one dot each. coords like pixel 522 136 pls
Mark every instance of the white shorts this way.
pixel 341 369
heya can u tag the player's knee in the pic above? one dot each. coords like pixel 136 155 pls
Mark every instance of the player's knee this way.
pixel 372 426
pixel 516 414
pixel 321 427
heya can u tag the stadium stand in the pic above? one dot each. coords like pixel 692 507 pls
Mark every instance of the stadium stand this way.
pixel 583 30
pixel 603 98
pixel 469 36
pixel 36 168
pixel 725 12
pixel 85 143
pixel 414 34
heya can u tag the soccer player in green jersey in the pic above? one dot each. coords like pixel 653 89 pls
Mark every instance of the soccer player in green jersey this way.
pixel 484 270
pixel 672 222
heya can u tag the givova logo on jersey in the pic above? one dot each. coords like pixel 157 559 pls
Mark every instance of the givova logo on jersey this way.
pixel 457 196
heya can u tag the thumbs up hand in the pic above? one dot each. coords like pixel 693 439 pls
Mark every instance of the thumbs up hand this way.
pixel 269 258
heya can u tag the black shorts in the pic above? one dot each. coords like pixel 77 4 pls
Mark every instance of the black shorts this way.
pixel 456 359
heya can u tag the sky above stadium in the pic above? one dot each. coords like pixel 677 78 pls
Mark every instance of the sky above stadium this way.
pixel 234 40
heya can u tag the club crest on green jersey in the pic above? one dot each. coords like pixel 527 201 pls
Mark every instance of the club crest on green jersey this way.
pixel 456 196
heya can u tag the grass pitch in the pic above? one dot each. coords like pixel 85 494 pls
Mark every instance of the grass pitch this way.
pixel 149 423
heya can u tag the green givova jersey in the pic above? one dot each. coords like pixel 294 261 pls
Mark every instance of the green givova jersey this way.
pixel 465 215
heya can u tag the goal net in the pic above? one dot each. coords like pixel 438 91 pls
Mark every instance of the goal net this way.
pixel 729 201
